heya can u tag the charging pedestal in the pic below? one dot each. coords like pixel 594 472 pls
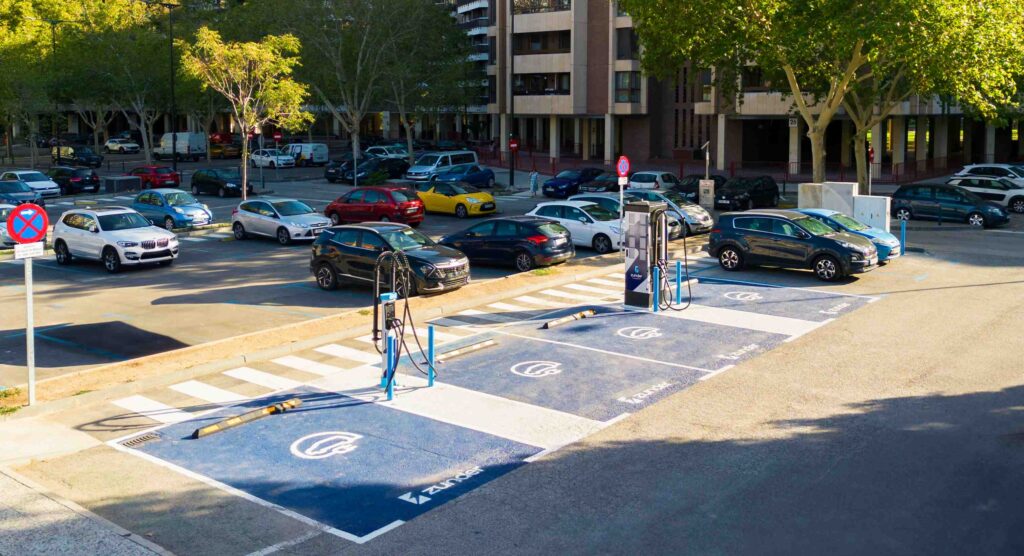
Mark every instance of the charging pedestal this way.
pixel 645 242
pixel 387 321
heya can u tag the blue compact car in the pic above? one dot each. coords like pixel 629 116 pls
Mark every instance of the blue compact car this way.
pixel 468 173
pixel 568 182
pixel 888 245
pixel 172 208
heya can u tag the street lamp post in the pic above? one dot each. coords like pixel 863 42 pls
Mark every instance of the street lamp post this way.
pixel 512 93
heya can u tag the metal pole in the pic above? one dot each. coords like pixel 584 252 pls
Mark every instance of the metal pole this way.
pixel 30 334
pixel 512 93
pixel 869 178
pixel 903 237
pixel 656 286
pixel 174 115
pixel 707 160
pixel 391 368
pixel 430 355
pixel 53 69
pixel 679 282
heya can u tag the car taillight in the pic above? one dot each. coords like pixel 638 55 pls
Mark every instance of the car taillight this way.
pixel 76 179
pixel 716 230
pixel 234 211
pixel 537 239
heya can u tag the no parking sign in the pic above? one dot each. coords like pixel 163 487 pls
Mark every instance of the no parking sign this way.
pixel 27 224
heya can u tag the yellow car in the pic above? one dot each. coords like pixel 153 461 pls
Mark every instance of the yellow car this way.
pixel 459 199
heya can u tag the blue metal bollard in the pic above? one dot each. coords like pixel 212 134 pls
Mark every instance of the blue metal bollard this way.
pixel 679 282
pixel 430 355
pixel 656 286
pixel 903 237
pixel 391 368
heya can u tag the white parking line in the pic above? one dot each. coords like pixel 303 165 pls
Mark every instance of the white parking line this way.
pixel 538 301
pixel 206 392
pixel 481 315
pixel 345 352
pixel 745 319
pixel 307 365
pixel 509 307
pixel 124 197
pixel 573 296
pixel 261 378
pixel 191 239
pixel 604 282
pixel 584 288
pixel 153 409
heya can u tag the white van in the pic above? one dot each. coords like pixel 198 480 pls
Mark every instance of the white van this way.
pixel 307 154
pixel 190 146
pixel 429 165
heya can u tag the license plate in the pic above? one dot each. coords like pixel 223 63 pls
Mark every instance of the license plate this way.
pixel 558 242
pixel 168 182
pixel 488 206
pixel 895 253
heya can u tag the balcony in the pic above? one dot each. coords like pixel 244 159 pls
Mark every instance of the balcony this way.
pixel 541 6
pixel 470 6
pixel 476 31
pixel 478 57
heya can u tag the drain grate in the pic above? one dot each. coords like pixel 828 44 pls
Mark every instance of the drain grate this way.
pixel 140 440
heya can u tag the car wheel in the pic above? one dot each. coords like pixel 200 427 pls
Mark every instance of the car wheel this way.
pixel 168 223
pixel 156 156
pixel 253 163
pixel 687 232
pixel 335 219
pixel 524 261
pixel 730 259
pixel 239 231
pixel 903 214
pixel 415 224
pixel 62 253
pixel 460 211
pixel 111 260
pixel 976 220
pixel 1017 204
pixel 283 237
pixel 775 201
pixel 195 190
pixel 221 192
pixel 602 244
pixel 826 268
pixel 332 180
pixel 273 164
pixel 326 277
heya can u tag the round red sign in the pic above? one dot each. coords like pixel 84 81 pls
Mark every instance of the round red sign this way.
pixel 27 223
pixel 277 136
pixel 513 144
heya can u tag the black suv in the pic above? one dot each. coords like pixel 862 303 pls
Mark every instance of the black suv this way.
pixel 946 202
pixel 689 186
pixel 747 193
pixel 218 181
pixel 789 239
pixel 349 254
pixel 74 180
pixel 524 241
pixel 77 155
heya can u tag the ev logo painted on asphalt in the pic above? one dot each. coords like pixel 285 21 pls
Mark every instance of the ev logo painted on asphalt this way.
pixel 320 445
pixel 639 332
pixel 536 369
pixel 743 296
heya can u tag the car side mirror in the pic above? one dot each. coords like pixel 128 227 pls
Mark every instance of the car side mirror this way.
pixel 803 235
pixel 583 219
pixel 470 234
pixel 94 230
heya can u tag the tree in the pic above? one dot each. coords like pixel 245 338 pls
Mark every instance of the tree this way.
pixel 28 95
pixel 821 50
pixel 254 77
pixel 201 103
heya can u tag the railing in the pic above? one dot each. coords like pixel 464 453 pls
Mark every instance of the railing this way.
pixel 541 6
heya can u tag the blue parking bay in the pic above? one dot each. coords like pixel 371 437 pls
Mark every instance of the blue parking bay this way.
pixel 798 303
pixel 359 468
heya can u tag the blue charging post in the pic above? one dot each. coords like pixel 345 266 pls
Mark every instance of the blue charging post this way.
pixel 391 368
pixel 679 282
pixel 656 286
pixel 903 237
pixel 430 355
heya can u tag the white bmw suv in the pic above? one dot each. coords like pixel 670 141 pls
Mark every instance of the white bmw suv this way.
pixel 115 236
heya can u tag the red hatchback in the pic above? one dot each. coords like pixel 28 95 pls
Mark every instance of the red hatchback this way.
pixel 377 204
pixel 156 176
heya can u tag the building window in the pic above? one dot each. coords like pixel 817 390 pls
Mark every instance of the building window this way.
pixel 492 89
pixel 705 85
pixel 627 47
pixel 627 86
pixel 675 129
pixel 541 84
pixel 553 42
pixel 541 6
pixel 752 79
pixel 492 50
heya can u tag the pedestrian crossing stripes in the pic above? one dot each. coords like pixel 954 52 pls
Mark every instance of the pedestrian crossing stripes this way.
pixel 569 295
pixel 264 379
pixel 307 365
pixel 153 409
pixel 207 393
pixel 345 352
pixel 541 302
pixel 592 289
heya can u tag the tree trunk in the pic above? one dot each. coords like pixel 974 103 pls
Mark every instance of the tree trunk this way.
pixel 355 155
pixel 817 136
pixel 144 130
pixel 10 142
pixel 408 139
pixel 245 159
pixel 861 155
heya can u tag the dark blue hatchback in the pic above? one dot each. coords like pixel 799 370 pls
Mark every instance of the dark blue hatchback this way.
pixel 568 182
pixel 947 203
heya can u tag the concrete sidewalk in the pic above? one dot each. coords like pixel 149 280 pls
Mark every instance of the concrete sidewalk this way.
pixel 33 521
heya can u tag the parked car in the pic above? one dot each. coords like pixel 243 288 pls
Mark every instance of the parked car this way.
pixel 76 155
pixel 5 239
pixel 689 186
pixel 74 180
pixel 377 204
pixel 610 202
pixel 38 181
pixel 887 245
pixel 698 220
pixel 605 182
pixel 747 193
pixel 117 236
pixel 468 173
pixel 183 144
pixel 120 146
pixel 14 192
pixel 653 180
pixel 377 170
pixel 218 181
pixel 225 150
pixel 156 176
pixel 525 242
pixel 789 239
pixel 335 170
pixel 224 137
pixel 172 208
pixel 589 224
pixel 1002 191
pixel 271 158
pixel 429 165
pixel 568 182
pixel 286 220
pixel 388 151
pixel 948 203
pixel 307 154
pixel 1012 172
pixel 347 255
pixel 455 198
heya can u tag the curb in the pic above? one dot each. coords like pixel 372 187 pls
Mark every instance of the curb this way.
pixel 162 369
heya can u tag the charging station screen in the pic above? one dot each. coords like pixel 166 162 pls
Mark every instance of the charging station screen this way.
pixel 638 266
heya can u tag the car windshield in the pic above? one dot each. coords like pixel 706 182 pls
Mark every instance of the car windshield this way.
pixel 82 173
pixel 369 164
pixel 230 174
pixel 32 176
pixel 600 213
pixel 14 187
pixel 164 171
pixel 677 198
pixel 274 152
pixel 464 189
pixel 122 221
pixel 406 239
pixel 813 226
pixel 180 199
pixel 426 160
pixel 4 212
pixel 736 185
pixel 568 174
pixel 850 223
pixel 1019 170
pixel 552 229
pixel 1008 184
pixel 291 208
pixel 403 196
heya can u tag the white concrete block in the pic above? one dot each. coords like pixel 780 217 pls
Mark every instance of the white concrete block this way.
pixel 872 210
pixel 838 196
pixel 809 195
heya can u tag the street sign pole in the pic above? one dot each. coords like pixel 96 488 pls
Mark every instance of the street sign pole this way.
pixel 30 334
pixel 27 224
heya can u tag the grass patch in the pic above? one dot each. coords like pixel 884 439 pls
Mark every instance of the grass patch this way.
pixel 365 312
pixel 546 271
pixel 9 392
pixel 80 392
pixel 8 409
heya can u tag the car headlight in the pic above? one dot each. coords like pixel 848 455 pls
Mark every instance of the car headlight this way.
pixel 473 200
pixel 230 185
pixel 128 243
pixel 178 210
pixel 206 208
pixel 302 225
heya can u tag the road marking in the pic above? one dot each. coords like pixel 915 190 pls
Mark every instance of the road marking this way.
pixel 191 239
pixel 124 197
pixel 307 365
pixel 206 392
pixel 716 373
pixel 837 294
pixel 153 409
pixel 509 307
pixel 345 352
pixel 615 275
pixel 522 422
pixel 745 319
pixel 475 314
pixel 584 288
pixel 541 302
pixel 573 296
pixel 261 378
pixel 287 544
pixel 604 282
pixel 439 337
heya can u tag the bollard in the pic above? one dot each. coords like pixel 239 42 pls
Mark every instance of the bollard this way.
pixel 391 368
pixel 903 237
pixel 430 355
pixel 679 282
pixel 656 286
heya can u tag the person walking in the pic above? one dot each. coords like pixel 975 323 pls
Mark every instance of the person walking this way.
pixel 534 178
